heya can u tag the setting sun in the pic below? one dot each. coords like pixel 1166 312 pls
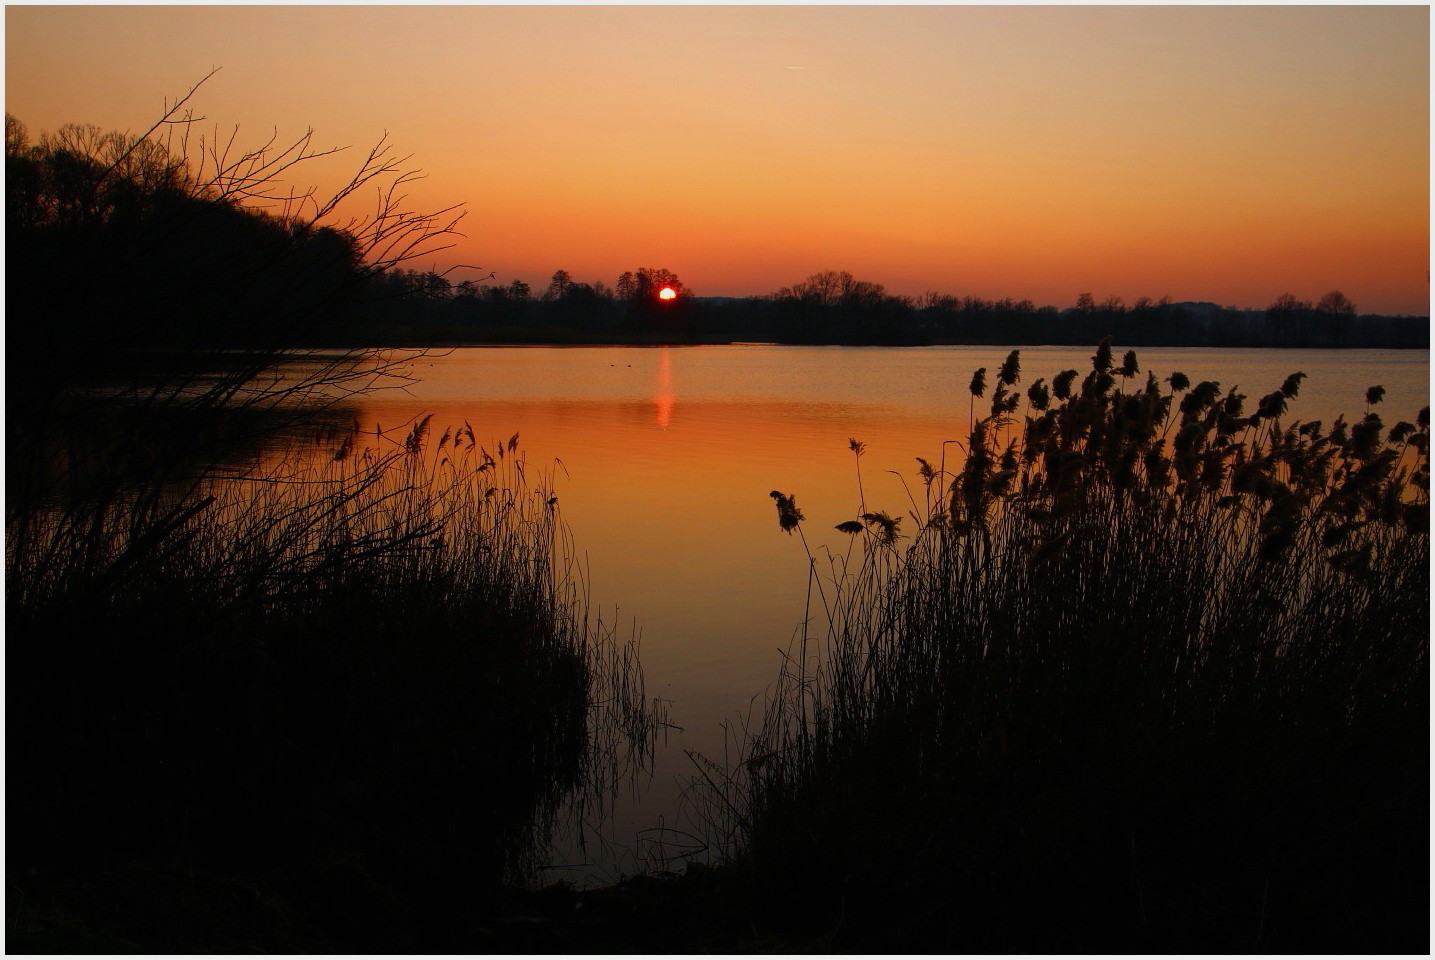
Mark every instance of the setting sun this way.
pixel 667 293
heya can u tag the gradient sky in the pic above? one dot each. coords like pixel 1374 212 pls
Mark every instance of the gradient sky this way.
pixel 1227 154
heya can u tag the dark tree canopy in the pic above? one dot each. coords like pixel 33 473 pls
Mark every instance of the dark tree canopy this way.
pixel 114 247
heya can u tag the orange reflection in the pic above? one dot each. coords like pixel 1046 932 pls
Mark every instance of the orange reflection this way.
pixel 665 399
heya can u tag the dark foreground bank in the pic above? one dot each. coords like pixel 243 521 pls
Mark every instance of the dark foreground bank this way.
pixel 1150 675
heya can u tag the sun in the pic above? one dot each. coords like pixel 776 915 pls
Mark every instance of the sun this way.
pixel 667 293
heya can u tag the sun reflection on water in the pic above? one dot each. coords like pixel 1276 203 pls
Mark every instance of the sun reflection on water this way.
pixel 664 400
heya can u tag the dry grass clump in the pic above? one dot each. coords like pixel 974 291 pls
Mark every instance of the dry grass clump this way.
pixel 1151 673
pixel 360 686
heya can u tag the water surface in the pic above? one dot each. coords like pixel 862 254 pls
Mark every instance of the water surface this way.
pixel 664 458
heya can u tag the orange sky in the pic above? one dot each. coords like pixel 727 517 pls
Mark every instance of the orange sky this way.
pixel 1226 154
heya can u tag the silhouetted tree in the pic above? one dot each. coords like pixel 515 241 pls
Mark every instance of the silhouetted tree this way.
pixel 627 285
pixel 185 274
pixel 649 281
pixel 1336 303
pixel 435 285
pixel 1336 311
pixel 835 307
pixel 558 286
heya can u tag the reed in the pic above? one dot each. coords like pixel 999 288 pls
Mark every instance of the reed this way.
pixel 1149 674
pixel 359 684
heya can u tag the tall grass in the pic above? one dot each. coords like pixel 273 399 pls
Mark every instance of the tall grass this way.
pixel 1150 674
pixel 351 691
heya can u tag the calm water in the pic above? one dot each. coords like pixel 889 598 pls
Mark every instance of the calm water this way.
pixel 668 454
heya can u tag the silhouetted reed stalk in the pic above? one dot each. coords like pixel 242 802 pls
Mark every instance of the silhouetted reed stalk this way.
pixel 1171 643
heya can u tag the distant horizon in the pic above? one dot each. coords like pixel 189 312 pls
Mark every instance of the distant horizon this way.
pixel 1230 153
pixel 537 285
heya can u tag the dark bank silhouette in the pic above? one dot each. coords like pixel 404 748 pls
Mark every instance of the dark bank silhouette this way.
pixel 328 699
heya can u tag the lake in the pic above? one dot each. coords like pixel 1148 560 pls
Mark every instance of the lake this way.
pixel 665 456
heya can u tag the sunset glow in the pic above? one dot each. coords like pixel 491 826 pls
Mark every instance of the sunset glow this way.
pixel 1206 153
pixel 636 466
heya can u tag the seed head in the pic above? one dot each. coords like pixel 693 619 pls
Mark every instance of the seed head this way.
pixel 1129 368
pixel 1101 362
pixel 1011 368
pixel 886 526
pixel 1273 405
pixel 788 516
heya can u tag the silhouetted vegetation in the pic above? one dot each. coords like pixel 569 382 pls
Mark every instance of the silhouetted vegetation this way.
pixel 325 700
pixel 837 308
pixel 156 253
pixel 1149 675
pixel 413 307
pixel 362 688
pixel 168 288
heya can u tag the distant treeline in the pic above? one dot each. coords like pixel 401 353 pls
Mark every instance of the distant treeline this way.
pixel 836 308
pixel 117 243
